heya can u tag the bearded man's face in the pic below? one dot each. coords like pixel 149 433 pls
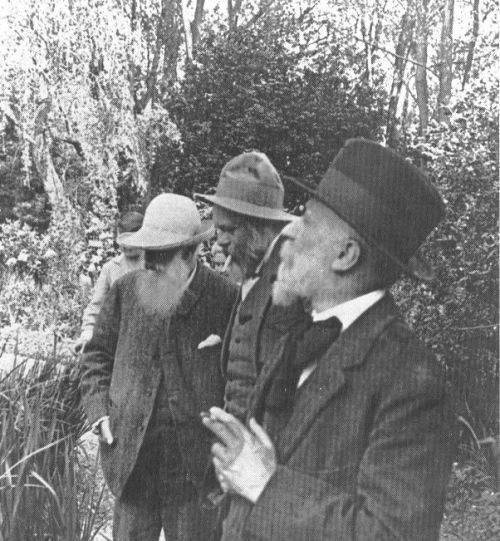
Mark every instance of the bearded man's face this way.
pixel 241 239
pixel 305 257
pixel 161 286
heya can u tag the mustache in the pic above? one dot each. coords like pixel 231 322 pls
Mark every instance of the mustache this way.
pixel 159 293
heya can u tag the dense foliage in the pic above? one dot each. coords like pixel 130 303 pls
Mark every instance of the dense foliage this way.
pixel 458 313
pixel 104 104
pixel 257 89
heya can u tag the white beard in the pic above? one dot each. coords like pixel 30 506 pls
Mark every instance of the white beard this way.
pixel 159 293
pixel 299 276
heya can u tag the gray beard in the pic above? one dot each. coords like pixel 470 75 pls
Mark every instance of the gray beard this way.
pixel 159 293
pixel 283 295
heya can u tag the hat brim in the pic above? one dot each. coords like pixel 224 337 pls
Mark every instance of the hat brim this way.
pixel 417 267
pixel 122 237
pixel 247 209
pixel 150 239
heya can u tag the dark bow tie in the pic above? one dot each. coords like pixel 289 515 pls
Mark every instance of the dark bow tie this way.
pixel 306 346
pixel 317 336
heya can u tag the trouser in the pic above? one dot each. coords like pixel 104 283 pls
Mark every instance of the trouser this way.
pixel 159 495
pixel 142 519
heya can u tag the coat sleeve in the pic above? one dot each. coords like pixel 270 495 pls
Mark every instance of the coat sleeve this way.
pixel 92 310
pixel 401 482
pixel 96 365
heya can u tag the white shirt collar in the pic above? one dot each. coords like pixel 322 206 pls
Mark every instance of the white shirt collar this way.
pixel 349 311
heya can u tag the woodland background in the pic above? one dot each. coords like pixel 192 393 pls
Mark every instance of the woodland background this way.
pixel 106 103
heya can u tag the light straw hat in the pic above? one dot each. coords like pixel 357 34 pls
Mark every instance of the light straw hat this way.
pixel 170 221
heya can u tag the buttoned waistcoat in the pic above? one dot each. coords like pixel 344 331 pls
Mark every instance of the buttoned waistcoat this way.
pixel 256 325
pixel 123 364
pixel 367 451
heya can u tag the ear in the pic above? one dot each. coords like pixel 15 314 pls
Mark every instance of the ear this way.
pixel 348 255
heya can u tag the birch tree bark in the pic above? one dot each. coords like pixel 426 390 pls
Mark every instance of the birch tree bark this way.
pixel 445 63
pixel 420 55
pixel 400 61
pixel 472 43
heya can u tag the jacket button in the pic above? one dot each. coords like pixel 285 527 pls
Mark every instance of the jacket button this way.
pixel 237 340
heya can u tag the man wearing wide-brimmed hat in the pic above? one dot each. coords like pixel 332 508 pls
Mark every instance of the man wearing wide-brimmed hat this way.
pixel 151 366
pixel 358 439
pixel 248 214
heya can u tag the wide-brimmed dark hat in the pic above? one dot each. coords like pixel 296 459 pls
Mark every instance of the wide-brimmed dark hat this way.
pixel 386 199
pixel 250 185
pixel 170 221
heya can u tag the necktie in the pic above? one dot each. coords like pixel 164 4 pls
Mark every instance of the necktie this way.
pixel 308 345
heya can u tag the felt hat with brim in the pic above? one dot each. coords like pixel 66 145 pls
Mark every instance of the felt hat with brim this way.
pixel 170 221
pixel 386 199
pixel 250 185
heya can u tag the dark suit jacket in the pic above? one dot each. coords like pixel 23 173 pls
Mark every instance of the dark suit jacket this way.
pixel 367 451
pixel 123 364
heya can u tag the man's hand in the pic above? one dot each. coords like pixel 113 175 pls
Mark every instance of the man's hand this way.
pixel 244 459
pixel 103 430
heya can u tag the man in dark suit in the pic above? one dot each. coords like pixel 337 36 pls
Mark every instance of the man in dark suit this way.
pixel 357 437
pixel 150 367
pixel 248 215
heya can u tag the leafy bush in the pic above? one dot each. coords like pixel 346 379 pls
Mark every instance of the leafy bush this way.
pixel 457 314
pixel 43 492
pixel 262 88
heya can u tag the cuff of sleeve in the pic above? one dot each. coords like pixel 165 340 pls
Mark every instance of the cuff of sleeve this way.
pixel 96 425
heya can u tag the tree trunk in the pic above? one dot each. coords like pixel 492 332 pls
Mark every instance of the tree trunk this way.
pixel 173 39
pixel 400 62
pixel 188 38
pixel 472 43
pixel 445 63
pixel 195 24
pixel 368 49
pixel 233 11
pixel 420 54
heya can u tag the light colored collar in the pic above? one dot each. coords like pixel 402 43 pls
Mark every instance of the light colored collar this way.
pixel 349 311
pixel 268 253
pixel 191 276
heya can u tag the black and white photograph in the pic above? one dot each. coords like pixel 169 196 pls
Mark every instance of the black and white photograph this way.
pixel 249 270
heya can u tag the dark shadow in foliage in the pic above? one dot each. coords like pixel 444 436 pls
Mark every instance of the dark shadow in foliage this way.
pixel 258 89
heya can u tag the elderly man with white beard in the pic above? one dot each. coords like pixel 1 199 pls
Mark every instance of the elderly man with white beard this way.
pixel 151 366
pixel 349 433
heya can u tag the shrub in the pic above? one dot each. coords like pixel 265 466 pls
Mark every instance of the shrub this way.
pixel 43 495
pixel 457 314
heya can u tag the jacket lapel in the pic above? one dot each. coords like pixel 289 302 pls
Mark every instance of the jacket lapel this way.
pixel 193 292
pixel 268 370
pixel 224 356
pixel 328 378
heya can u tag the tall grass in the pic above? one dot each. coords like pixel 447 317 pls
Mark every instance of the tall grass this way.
pixel 44 493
